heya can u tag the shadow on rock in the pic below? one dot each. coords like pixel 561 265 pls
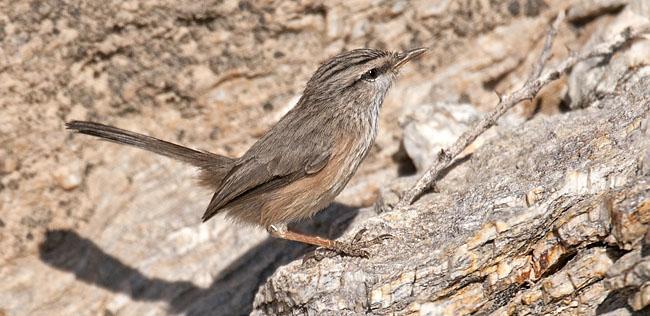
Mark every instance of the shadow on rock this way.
pixel 616 303
pixel 232 291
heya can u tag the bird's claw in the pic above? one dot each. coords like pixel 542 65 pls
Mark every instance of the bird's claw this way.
pixel 355 248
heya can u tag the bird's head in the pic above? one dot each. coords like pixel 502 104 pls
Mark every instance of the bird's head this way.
pixel 358 78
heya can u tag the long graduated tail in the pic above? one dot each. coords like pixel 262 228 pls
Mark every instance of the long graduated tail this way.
pixel 213 167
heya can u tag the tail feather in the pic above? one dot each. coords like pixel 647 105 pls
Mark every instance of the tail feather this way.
pixel 213 167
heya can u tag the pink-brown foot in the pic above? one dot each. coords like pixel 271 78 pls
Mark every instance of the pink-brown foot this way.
pixel 355 248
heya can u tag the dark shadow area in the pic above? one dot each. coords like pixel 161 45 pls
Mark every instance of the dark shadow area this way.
pixel 645 244
pixel 584 20
pixel 618 300
pixel 405 166
pixel 232 291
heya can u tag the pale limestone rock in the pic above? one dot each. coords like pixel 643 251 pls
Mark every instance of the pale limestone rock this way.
pixel 430 128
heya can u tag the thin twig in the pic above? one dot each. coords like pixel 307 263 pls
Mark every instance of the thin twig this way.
pixel 533 85
pixel 548 45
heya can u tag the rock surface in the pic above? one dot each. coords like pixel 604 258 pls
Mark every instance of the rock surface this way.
pixel 430 128
pixel 89 228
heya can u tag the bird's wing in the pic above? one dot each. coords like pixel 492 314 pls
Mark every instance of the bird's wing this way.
pixel 274 161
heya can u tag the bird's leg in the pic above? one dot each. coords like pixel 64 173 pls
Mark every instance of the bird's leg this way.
pixel 353 249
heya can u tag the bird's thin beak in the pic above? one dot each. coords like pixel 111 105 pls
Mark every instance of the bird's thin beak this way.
pixel 406 56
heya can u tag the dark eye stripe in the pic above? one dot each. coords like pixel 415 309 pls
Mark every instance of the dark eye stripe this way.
pixel 371 74
pixel 375 72
pixel 338 66
pixel 345 60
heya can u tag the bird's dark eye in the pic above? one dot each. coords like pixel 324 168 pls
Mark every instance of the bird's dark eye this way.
pixel 371 74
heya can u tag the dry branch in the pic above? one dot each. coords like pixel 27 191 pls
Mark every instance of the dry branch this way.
pixel 533 85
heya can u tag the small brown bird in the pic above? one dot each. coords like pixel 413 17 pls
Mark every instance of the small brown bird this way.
pixel 299 166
